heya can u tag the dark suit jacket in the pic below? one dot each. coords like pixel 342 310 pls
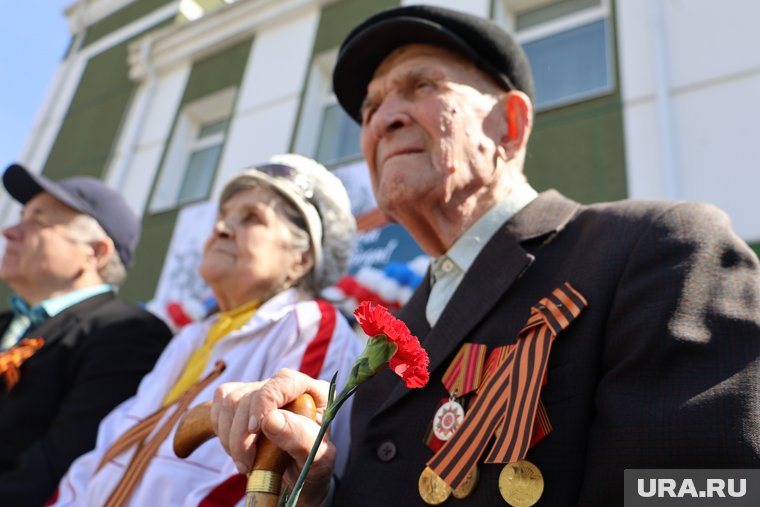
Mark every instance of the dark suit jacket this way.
pixel 661 369
pixel 95 354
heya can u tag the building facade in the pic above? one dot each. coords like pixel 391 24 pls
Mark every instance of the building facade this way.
pixel 166 99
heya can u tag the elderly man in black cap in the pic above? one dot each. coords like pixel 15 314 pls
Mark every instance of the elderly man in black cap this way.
pixel 70 349
pixel 567 342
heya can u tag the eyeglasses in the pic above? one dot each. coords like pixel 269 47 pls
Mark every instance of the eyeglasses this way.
pixel 303 182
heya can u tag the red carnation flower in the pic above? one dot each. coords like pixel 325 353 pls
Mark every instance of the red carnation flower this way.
pixel 390 343
pixel 410 361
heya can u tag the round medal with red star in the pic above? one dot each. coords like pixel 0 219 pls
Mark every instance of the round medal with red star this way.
pixel 447 420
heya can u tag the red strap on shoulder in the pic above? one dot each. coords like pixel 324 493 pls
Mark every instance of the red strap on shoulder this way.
pixel 316 350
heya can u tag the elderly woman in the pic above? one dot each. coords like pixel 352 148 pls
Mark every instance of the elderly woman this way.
pixel 284 232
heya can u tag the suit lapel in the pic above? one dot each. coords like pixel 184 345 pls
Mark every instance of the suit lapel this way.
pixel 499 264
pixel 55 328
pixel 5 320
pixel 492 273
pixel 413 312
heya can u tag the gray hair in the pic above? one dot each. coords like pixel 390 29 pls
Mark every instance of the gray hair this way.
pixel 85 229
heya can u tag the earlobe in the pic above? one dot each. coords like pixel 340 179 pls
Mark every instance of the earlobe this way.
pixel 503 151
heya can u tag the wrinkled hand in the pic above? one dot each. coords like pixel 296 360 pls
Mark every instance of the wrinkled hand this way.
pixel 241 410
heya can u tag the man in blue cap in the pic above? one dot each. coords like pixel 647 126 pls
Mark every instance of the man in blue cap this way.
pixel 621 335
pixel 70 349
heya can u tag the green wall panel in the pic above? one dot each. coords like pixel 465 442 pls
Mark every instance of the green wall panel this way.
pixel 207 76
pixel 92 122
pixel 580 151
pixel 124 16
pixel 339 18
pixel 154 243
pixel 756 248
pixel 217 72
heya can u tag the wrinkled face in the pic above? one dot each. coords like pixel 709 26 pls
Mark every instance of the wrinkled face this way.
pixel 251 253
pixel 40 254
pixel 431 124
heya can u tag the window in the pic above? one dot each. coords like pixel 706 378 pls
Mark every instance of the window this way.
pixel 338 136
pixel 194 152
pixel 328 134
pixel 325 131
pixel 568 45
pixel 203 159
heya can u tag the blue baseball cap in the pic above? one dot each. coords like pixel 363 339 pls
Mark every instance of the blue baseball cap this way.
pixel 86 195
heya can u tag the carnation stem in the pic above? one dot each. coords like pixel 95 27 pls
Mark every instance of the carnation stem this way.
pixel 327 418
pixel 304 471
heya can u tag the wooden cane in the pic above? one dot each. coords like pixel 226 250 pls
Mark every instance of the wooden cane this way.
pixel 265 478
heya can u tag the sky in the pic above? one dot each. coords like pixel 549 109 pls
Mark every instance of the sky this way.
pixel 33 36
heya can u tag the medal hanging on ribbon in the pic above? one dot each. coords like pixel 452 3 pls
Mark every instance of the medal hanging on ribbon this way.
pixel 448 418
pixel 462 377
pixel 516 374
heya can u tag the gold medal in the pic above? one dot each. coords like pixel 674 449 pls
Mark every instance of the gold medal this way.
pixel 433 489
pixel 468 486
pixel 448 418
pixel 521 483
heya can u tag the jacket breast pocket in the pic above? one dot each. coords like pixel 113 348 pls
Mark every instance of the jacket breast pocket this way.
pixel 561 383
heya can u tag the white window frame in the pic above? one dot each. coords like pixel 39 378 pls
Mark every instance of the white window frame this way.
pixel 194 116
pixel 506 12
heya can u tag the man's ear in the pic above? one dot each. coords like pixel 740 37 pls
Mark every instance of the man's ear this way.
pixel 102 249
pixel 518 112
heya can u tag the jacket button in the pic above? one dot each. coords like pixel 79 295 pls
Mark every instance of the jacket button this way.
pixel 386 451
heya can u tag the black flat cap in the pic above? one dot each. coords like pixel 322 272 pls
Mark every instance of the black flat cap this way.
pixel 480 40
pixel 86 195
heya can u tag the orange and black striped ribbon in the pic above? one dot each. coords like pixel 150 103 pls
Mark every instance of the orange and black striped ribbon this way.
pixel 542 426
pixel 509 397
pixel 146 450
pixel 12 359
